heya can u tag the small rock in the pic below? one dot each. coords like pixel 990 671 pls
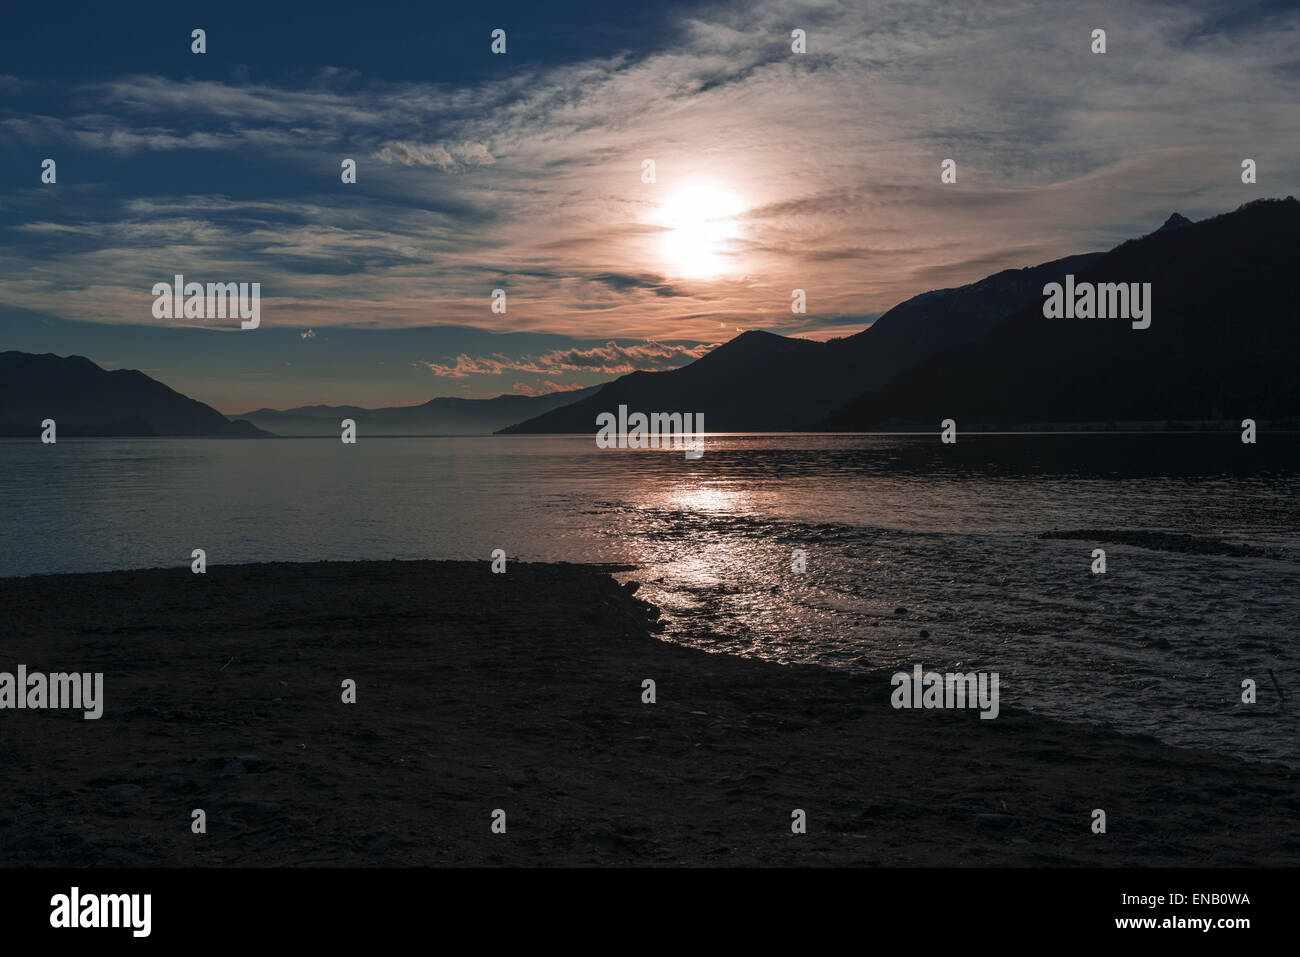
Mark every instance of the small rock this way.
pixel 900 610
pixel 378 846
pixel 924 633
pixel 123 792
pixel 235 767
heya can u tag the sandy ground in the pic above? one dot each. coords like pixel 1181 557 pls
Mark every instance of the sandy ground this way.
pixel 523 692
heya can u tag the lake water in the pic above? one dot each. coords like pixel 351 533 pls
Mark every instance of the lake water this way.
pixel 1160 643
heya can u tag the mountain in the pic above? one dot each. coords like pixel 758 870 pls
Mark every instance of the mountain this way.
pixel 84 399
pixel 761 382
pixel 756 381
pixel 1222 343
pixel 443 416
pixel 1175 221
pixel 933 321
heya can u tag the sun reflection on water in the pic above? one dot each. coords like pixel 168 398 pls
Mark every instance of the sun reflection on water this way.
pixel 704 498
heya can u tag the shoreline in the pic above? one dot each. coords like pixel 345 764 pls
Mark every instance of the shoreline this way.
pixel 523 692
pixel 916 430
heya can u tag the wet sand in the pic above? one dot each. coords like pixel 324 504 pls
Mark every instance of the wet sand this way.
pixel 523 692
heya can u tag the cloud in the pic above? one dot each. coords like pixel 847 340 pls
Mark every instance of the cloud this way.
pixel 530 179
pixel 409 154
pixel 610 359
pixel 466 366
pixel 542 388
pixel 613 358
pixel 623 282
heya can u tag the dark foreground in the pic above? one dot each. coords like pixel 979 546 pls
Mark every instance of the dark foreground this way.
pixel 523 692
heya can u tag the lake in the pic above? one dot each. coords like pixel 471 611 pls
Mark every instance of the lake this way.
pixel 916 552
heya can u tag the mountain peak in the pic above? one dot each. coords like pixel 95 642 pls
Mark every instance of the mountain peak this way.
pixel 86 399
pixel 1176 221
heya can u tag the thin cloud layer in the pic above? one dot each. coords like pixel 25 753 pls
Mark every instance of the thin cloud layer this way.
pixel 530 180
pixel 610 359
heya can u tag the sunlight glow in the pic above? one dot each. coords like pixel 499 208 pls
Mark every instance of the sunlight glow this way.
pixel 701 220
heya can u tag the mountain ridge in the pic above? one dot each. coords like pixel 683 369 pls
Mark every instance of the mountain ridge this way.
pixel 443 415
pixel 760 381
pixel 86 400
pixel 1220 346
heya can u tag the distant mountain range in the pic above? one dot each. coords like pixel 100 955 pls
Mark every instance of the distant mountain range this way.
pixel 1222 343
pixel 1221 346
pixel 84 399
pixel 761 382
pixel 442 416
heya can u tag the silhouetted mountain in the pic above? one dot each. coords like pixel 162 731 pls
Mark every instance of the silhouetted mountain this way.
pixel 443 416
pixel 1222 343
pixel 1175 221
pixel 760 382
pixel 756 381
pixel 84 399
pixel 925 324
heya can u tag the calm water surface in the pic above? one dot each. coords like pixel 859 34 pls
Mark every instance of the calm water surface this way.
pixel 950 534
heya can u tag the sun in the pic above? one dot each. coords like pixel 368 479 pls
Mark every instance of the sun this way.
pixel 700 219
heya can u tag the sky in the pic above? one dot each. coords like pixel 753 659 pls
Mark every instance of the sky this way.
pixel 524 172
